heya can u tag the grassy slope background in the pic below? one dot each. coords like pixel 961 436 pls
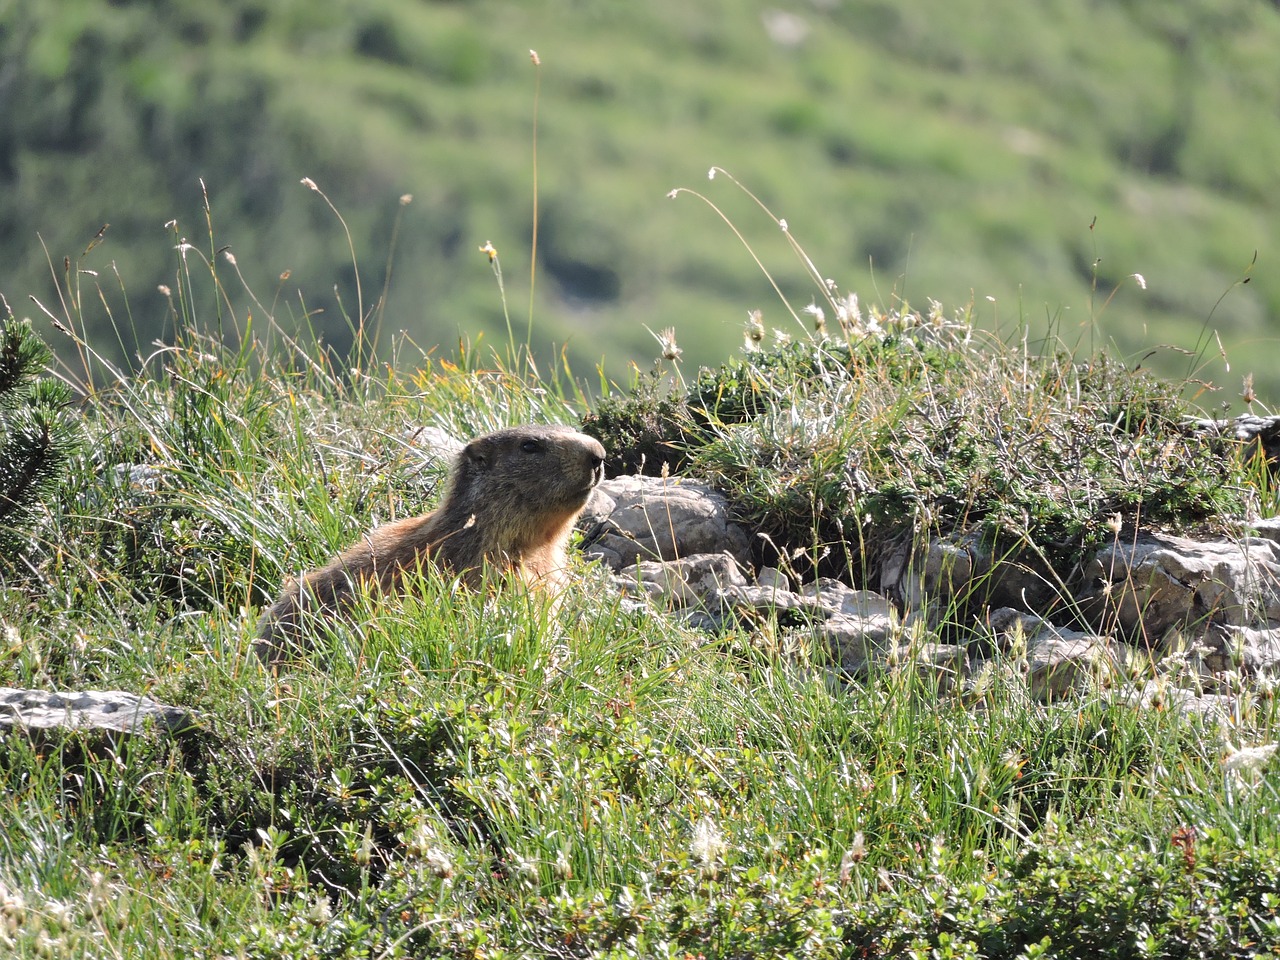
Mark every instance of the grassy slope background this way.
pixel 940 151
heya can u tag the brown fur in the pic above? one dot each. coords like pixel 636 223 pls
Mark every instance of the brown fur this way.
pixel 511 503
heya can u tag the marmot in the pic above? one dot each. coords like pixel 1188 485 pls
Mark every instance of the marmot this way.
pixel 511 503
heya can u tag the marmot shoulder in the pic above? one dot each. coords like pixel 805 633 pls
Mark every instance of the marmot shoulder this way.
pixel 511 502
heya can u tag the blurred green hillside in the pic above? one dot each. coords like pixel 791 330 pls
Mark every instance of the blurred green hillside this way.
pixel 949 150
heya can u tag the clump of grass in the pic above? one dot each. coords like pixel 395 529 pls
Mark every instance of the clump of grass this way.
pixel 927 427
pixel 929 431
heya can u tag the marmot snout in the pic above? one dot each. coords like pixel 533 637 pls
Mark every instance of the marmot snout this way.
pixel 511 503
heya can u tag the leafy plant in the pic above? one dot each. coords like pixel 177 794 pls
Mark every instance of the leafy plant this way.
pixel 38 435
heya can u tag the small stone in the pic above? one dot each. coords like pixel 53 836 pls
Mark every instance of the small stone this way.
pixel 771 578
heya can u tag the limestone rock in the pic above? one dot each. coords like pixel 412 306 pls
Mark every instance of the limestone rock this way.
pixel 846 601
pixel 1058 666
pixel 1220 649
pixel 111 710
pixel 1161 695
pixel 771 578
pixel 1155 582
pixel 693 581
pixel 1267 529
pixel 932 576
pixel 1059 660
pixel 858 642
pixel 857 626
pixel 765 598
pixel 1247 429
pixel 435 445
pixel 947 663
pixel 653 518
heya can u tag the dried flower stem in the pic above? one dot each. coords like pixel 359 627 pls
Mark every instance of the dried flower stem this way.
pixel 783 226
pixel 533 253
pixel 355 267
pixel 737 233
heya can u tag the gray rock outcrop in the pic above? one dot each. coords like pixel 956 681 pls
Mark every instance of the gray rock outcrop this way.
pixel 1251 431
pixel 1199 613
pixel 109 710
pixel 1154 582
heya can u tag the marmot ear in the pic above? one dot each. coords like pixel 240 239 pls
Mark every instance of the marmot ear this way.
pixel 475 455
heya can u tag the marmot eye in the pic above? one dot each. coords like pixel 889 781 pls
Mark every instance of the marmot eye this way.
pixel 531 446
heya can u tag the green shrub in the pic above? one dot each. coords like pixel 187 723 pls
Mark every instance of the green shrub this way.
pixel 38 436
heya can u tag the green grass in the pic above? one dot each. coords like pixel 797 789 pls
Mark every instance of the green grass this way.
pixel 466 774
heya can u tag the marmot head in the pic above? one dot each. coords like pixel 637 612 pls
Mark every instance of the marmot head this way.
pixel 550 466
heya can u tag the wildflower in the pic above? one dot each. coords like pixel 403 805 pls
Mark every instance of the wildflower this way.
pixel 1247 394
pixel 667 343
pixel 884 880
pixel 1249 760
pixel 711 174
pixel 856 853
pixel 229 256
pixel 310 184
pixel 561 867
pixel 1184 838
pixel 848 312
pixel 937 849
pixel 754 332
pixel 100 894
pixel 419 841
pixel 491 250
pixel 364 853
pixel 406 199
pixel 819 318
pixel 319 912
pixel 707 844
pixel 671 195
pixel 1115 524
pixel 533 56
pixel 438 863
pixel 13 907
pixel 524 869
pixel 1142 281
pixel 1013 762
pixel 782 225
